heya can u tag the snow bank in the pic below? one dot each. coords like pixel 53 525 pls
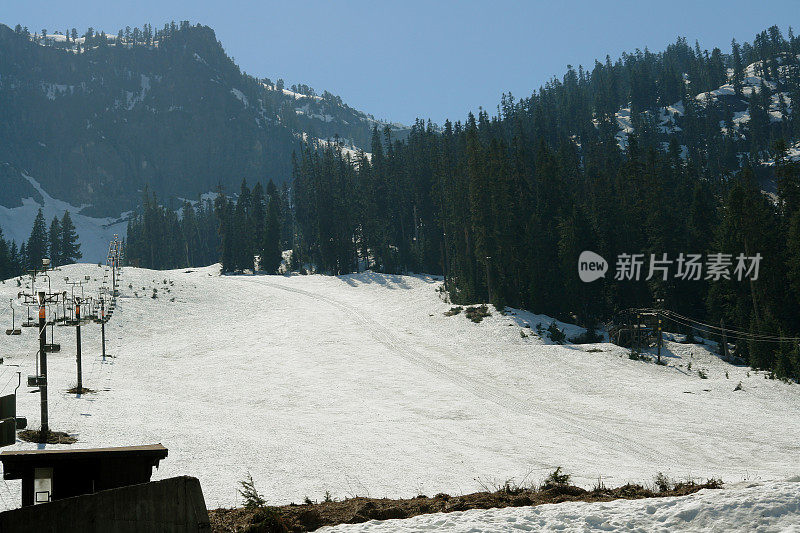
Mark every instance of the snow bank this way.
pixel 742 508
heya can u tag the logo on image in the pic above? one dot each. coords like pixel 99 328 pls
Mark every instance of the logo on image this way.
pixel 591 266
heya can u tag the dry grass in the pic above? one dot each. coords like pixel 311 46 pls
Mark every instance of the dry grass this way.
pixel 313 515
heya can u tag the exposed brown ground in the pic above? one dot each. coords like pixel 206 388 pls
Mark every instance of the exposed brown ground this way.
pixel 311 516
pixel 53 437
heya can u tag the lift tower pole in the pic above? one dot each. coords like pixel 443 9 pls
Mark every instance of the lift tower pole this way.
pixel 43 365
pixel 103 325
pixel 78 337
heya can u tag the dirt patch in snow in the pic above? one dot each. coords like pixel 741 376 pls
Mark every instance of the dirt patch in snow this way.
pixel 312 516
pixel 52 437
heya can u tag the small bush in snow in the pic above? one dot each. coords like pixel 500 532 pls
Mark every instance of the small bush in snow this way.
pixel 556 335
pixel 662 482
pixel 522 334
pixel 477 313
pixel 557 478
pixel 590 336
pixel 247 490
pixel 510 487
pixel 702 374
pixel 599 486
pixel 453 311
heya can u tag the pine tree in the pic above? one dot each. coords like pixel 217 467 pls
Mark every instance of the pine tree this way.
pixel 37 242
pixel 224 212
pixel 256 222
pixel 241 238
pixel 17 262
pixel 54 242
pixel 272 256
pixel 190 234
pixel 23 257
pixel 70 247
pixel 6 266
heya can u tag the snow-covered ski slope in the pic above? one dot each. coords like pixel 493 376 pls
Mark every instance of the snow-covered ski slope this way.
pixel 359 385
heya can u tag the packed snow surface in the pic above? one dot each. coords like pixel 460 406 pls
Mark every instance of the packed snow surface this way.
pixel 745 507
pixel 359 385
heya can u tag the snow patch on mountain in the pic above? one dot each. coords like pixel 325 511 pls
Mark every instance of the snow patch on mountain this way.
pixel 51 90
pixel 625 125
pixel 134 98
pixel 753 82
pixel 240 96
pixel 93 233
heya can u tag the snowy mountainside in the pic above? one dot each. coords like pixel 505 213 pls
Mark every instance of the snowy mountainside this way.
pixel 94 233
pixel 96 120
pixel 670 120
pixel 360 384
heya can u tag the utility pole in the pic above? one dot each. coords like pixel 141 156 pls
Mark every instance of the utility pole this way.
pixel 488 279
pixel 638 334
pixel 78 337
pixel 43 366
pixel 103 325
pixel 444 257
pixel 660 340
pixel 659 303
pixel 724 341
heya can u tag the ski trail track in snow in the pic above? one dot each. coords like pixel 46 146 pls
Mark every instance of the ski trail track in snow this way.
pixel 593 432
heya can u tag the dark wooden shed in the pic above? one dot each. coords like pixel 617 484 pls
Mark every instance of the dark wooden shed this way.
pixel 49 475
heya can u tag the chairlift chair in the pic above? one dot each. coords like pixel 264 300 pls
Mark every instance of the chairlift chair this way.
pixel 14 330
pixel 52 346
pixel 29 323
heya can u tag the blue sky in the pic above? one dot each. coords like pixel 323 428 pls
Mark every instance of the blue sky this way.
pixel 405 58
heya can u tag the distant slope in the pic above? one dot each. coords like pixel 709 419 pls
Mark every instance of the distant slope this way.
pixel 172 113
pixel 17 220
pixel 762 91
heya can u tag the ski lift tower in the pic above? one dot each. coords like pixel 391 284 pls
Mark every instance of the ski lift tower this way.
pixel 43 299
pixel 113 261
pixel 74 284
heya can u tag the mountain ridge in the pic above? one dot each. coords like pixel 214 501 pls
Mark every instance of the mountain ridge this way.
pixel 96 119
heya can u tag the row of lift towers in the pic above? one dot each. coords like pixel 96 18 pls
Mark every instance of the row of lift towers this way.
pixel 63 309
